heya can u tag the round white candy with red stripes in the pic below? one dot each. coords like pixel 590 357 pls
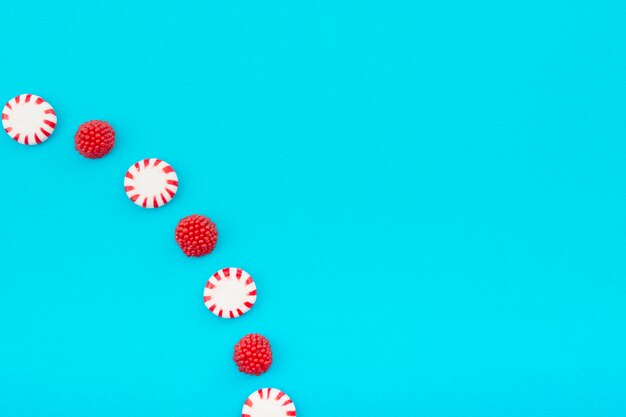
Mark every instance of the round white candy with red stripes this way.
pixel 268 402
pixel 28 119
pixel 230 293
pixel 151 183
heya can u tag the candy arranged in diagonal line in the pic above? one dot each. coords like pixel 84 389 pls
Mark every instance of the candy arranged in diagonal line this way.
pixel 268 402
pixel 151 183
pixel 230 293
pixel 28 119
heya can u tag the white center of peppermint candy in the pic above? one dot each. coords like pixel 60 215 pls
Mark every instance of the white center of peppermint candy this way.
pixel 230 294
pixel 268 409
pixel 27 118
pixel 150 181
pixel 269 402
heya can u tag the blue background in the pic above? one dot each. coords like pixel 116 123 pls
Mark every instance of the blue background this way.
pixel 430 196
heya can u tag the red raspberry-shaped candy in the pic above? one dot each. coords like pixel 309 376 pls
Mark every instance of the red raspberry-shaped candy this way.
pixel 253 354
pixel 196 235
pixel 94 139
